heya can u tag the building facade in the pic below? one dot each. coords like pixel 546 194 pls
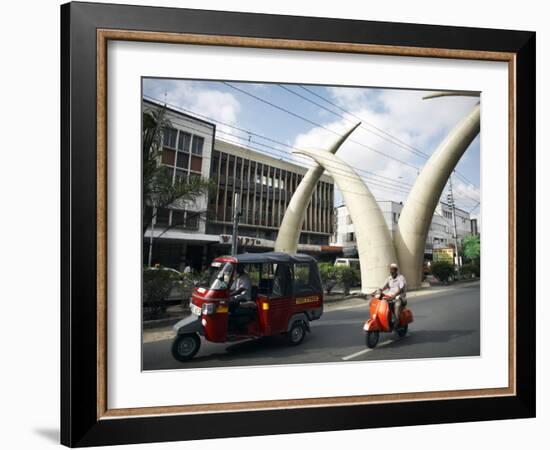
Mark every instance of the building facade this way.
pixel 192 234
pixel 440 234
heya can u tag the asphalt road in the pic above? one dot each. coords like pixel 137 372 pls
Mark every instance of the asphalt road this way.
pixel 446 324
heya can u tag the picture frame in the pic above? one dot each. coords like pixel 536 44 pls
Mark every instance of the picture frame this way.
pixel 86 28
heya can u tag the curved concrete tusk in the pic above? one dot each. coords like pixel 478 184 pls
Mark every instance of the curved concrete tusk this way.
pixel 293 220
pixel 416 216
pixel 374 242
pixel 451 94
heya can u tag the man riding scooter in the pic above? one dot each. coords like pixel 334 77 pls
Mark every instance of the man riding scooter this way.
pixel 397 286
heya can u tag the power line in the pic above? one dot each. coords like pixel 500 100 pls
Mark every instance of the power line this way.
pixel 390 139
pixel 308 160
pixel 425 155
pixel 416 150
pixel 381 184
pixel 305 119
pixel 248 132
pixel 377 183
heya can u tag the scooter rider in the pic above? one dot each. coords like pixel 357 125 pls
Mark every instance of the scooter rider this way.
pixel 397 286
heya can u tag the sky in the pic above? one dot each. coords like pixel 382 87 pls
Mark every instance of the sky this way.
pixel 398 132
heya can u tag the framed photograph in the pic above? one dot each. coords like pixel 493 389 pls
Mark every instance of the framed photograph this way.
pixel 276 224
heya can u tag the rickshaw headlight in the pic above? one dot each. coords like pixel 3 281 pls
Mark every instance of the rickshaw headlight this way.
pixel 208 309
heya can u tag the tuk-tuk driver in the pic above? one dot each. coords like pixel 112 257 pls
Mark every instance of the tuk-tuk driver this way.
pixel 242 283
pixel 244 307
pixel 397 286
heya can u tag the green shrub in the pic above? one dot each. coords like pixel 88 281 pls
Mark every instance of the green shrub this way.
pixel 442 270
pixel 328 276
pixel 347 277
pixel 156 287
pixel 470 270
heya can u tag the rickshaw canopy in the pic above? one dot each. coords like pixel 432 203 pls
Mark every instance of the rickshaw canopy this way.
pixel 271 257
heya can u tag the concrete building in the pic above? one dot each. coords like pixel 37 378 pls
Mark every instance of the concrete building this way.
pixel 440 234
pixel 266 185
pixel 194 234
pixel 178 230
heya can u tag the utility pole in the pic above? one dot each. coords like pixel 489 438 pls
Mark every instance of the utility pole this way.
pixel 236 215
pixel 451 201
pixel 153 220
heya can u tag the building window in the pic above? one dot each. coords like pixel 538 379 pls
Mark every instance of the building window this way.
pixel 169 139
pixel 198 143
pixel 182 160
pixel 178 218
pixel 196 163
pixel 350 237
pixel 184 141
pixel 185 219
pixel 348 220
pixel 192 220
pixel 168 156
pixel 163 216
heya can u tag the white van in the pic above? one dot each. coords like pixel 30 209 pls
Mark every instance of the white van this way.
pixel 348 262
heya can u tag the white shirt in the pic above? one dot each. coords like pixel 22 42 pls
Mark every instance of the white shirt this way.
pixel 242 282
pixel 395 284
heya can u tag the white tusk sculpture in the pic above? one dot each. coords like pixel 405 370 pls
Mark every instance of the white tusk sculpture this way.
pixel 451 94
pixel 293 220
pixel 374 242
pixel 416 216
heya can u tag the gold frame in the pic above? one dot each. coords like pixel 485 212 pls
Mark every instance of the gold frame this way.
pixel 103 36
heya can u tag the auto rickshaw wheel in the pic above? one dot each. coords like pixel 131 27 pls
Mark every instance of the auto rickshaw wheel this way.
pixel 297 333
pixel 185 346
pixel 372 338
pixel 402 331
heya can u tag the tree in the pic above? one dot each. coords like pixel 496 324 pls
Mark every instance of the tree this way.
pixel 159 191
pixel 471 247
pixel 442 270
pixel 328 275
pixel 347 277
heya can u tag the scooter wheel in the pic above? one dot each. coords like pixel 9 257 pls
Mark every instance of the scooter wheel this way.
pixel 372 338
pixel 185 346
pixel 402 331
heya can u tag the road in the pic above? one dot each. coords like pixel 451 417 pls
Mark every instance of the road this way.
pixel 446 324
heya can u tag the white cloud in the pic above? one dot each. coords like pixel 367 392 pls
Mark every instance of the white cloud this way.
pixel 212 103
pixel 405 116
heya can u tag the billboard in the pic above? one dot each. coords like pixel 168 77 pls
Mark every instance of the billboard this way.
pixel 443 254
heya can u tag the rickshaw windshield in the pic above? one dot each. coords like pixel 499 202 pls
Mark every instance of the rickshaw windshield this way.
pixel 219 276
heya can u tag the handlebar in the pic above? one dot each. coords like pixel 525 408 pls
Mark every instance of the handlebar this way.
pixel 380 295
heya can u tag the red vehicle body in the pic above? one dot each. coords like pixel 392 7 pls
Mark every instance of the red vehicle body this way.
pixel 382 319
pixel 286 295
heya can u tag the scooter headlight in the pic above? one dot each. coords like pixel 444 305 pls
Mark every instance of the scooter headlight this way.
pixel 208 309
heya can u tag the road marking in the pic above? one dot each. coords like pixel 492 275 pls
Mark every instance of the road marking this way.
pixel 362 352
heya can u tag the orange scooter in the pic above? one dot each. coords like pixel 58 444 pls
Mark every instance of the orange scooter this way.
pixel 382 318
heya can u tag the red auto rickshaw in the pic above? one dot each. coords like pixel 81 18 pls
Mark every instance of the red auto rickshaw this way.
pixel 285 296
